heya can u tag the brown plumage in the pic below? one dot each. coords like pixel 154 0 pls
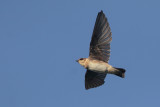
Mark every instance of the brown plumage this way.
pixel 97 63
pixel 101 38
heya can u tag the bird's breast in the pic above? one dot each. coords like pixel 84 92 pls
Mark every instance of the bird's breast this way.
pixel 97 66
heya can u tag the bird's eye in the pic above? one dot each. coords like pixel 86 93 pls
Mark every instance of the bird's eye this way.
pixel 81 59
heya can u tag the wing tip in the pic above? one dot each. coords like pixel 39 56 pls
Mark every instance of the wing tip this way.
pixel 90 87
pixel 101 12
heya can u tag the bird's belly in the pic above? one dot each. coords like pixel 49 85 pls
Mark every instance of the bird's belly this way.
pixel 98 67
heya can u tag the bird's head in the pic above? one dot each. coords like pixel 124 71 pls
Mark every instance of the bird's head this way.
pixel 81 61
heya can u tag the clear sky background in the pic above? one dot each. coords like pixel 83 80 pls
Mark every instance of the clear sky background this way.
pixel 41 39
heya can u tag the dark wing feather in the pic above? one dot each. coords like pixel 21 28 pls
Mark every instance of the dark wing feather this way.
pixel 94 79
pixel 101 38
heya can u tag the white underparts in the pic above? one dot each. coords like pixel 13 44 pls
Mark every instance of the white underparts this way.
pixel 99 67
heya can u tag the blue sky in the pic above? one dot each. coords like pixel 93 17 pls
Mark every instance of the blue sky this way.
pixel 41 39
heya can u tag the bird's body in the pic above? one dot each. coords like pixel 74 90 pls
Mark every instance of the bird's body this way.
pixel 97 63
pixel 96 66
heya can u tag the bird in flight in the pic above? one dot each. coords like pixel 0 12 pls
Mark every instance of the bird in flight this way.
pixel 97 63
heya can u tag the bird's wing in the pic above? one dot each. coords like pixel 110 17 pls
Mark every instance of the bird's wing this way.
pixel 94 79
pixel 101 38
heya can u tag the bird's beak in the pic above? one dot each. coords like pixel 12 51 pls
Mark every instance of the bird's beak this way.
pixel 76 60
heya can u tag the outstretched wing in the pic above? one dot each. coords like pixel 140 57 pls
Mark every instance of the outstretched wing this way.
pixel 94 79
pixel 101 38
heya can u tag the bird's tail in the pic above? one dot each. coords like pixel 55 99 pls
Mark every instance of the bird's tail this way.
pixel 120 72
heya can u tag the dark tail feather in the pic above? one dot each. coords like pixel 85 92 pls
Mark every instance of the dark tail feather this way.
pixel 121 72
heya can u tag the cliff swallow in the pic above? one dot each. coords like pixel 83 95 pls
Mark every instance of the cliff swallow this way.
pixel 97 63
